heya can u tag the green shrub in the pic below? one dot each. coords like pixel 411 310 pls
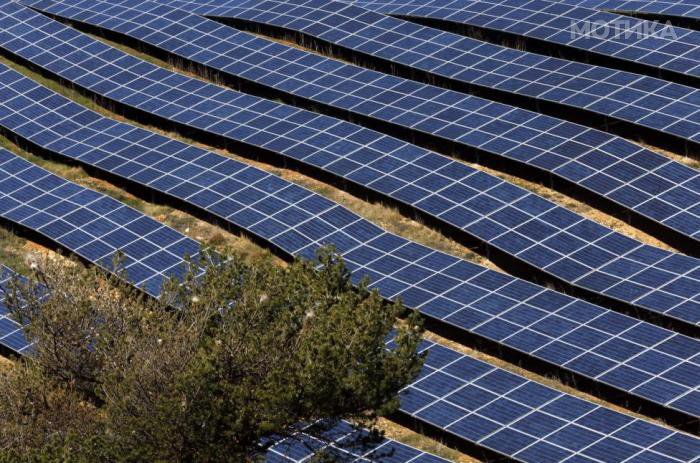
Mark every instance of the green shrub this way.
pixel 250 351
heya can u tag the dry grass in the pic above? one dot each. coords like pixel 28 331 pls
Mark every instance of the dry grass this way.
pixel 381 214
pixel 13 250
pixel 419 441
pixel 687 160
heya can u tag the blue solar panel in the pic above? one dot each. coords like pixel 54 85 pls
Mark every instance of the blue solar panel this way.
pixel 663 107
pixel 554 328
pixel 634 178
pixel 534 230
pixel 346 445
pixel 90 224
pixel 525 420
pixel 656 8
pixel 11 334
pixel 606 35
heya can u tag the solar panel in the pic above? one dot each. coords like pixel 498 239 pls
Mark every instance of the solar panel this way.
pixel 642 182
pixel 534 230
pixel 11 335
pixel 565 333
pixel 90 224
pixel 346 445
pixel 666 108
pixel 668 8
pixel 606 35
pixel 529 422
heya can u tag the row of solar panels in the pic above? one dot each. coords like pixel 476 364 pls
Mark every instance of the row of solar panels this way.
pixel 467 398
pixel 527 227
pixel 668 110
pixel 645 184
pixel 191 180
pixel 619 40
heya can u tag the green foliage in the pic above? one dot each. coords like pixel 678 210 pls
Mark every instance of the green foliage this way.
pixel 250 351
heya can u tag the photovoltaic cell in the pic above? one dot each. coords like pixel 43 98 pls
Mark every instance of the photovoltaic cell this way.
pixel 631 356
pixel 646 102
pixel 544 235
pixel 601 33
pixel 679 8
pixel 635 178
pixel 90 224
